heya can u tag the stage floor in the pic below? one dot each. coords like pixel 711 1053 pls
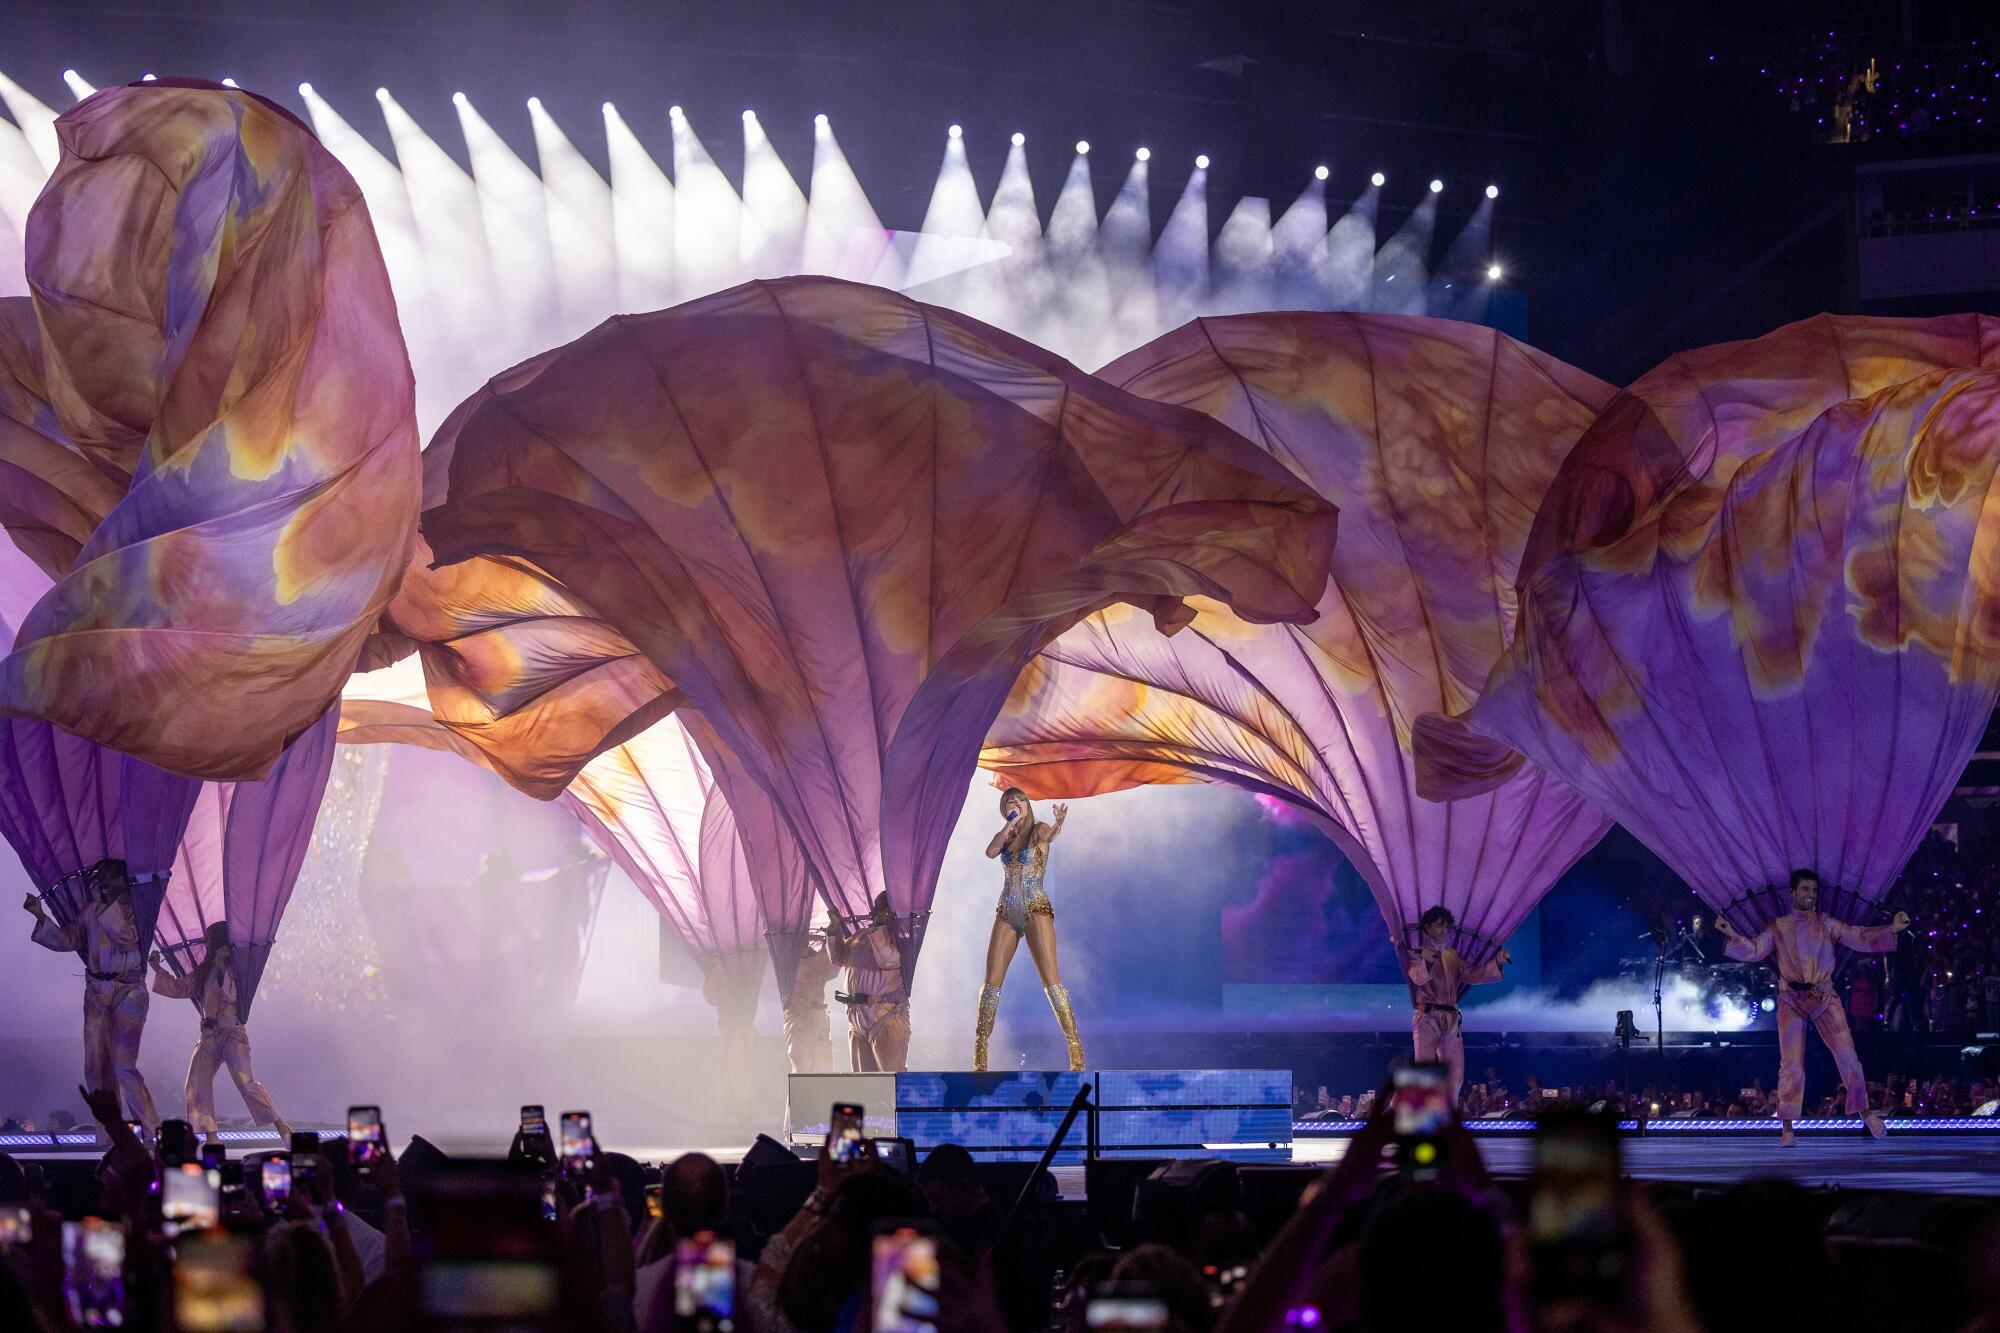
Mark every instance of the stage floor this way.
pixel 1942 1164
pixel 1910 1162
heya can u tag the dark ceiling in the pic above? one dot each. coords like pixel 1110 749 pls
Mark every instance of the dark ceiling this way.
pixel 1653 194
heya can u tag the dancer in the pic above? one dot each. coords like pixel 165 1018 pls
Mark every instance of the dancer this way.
pixel 223 1040
pixel 808 1032
pixel 106 933
pixel 1804 941
pixel 1022 844
pixel 878 1006
pixel 1439 978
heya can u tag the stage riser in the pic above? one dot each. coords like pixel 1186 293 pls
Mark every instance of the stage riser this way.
pixel 1240 1114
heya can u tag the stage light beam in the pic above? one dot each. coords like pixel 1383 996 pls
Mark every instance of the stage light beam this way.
pixel 1378 180
pixel 1201 162
pixel 1492 192
pixel 446 206
pixel 581 230
pixel 1082 147
pixel 1493 273
pixel 1180 256
pixel 1320 173
pixel 953 217
pixel 844 237
pixel 642 218
pixel 774 208
pixel 36 119
pixel 79 86
pixel 1018 139
pixel 708 219
pixel 1437 187
pixel 516 220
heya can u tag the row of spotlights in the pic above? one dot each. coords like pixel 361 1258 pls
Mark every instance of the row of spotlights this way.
pixel 1378 180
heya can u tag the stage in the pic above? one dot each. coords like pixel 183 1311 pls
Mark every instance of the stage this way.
pixel 1911 1160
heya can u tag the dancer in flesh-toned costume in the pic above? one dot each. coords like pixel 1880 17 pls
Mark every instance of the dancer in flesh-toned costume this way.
pixel 106 934
pixel 1803 942
pixel 808 1030
pixel 1022 844
pixel 878 1004
pixel 223 1041
pixel 1439 978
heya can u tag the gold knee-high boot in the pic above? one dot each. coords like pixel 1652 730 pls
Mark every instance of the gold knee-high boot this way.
pixel 1059 1001
pixel 989 1008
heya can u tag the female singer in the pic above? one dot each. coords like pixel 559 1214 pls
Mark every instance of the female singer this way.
pixel 1022 844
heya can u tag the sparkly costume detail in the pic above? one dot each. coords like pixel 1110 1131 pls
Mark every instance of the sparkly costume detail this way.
pixel 1059 1001
pixel 1022 894
pixel 989 1009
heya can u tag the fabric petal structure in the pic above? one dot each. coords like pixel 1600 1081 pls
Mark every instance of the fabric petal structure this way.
pixel 723 881
pixel 240 859
pixel 1761 627
pixel 66 804
pixel 653 807
pixel 1436 440
pixel 206 431
pixel 841 522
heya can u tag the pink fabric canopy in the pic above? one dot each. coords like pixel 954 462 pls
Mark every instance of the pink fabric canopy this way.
pixel 206 431
pixel 1761 608
pixel 240 858
pixel 841 522
pixel 1436 440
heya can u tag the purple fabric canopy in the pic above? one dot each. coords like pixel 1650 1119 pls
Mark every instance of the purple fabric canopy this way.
pixel 841 522
pixel 1437 441
pixel 1760 615
pixel 240 858
pixel 66 803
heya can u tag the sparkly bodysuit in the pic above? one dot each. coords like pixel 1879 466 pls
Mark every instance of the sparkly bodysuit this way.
pixel 1022 894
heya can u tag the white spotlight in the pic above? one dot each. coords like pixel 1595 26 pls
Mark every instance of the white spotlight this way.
pixel 1378 180
pixel 305 89
pixel 1019 138
pixel 1320 173
pixel 457 99
pixel 749 115
pixel 381 94
pixel 1083 145
pixel 1201 162
pixel 609 109
pixel 147 78
pixel 674 112
pixel 1493 272
pixel 70 76
pixel 820 120
pixel 1492 192
pixel 228 82
pixel 956 132
pixel 534 104
pixel 1144 154
pixel 1437 187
